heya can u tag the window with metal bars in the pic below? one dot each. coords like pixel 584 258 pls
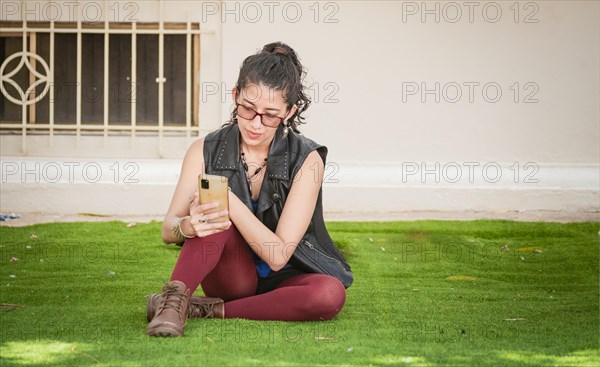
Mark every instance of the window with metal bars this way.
pixel 121 89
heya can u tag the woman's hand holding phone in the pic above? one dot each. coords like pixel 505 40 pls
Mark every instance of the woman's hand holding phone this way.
pixel 207 224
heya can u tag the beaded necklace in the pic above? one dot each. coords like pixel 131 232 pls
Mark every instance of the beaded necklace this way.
pixel 249 178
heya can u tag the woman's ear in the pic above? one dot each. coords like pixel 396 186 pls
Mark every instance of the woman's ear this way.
pixel 292 111
pixel 234 94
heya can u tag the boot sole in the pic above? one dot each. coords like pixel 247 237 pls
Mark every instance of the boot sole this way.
pixel 163 330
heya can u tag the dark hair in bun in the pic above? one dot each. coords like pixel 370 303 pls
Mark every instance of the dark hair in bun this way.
pixel 277 66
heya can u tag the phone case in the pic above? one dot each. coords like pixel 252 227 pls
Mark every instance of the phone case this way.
pixel 214 188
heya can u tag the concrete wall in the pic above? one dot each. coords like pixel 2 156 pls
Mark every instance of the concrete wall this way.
pixel 436 105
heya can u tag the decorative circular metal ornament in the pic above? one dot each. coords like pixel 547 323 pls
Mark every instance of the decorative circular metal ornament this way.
pixel 40 79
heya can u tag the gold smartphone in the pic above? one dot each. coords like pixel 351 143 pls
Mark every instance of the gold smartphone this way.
pixel 214 188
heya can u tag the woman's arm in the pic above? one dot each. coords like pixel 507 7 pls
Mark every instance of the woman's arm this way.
pixel 185 201
pixel 277 248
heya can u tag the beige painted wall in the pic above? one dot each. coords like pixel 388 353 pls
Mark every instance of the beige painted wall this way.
pixel 365 59
pixel 371 52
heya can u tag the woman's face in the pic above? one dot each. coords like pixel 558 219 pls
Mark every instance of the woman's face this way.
pixel 263 100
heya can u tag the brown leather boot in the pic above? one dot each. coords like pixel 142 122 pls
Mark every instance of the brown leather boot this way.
pixel 199 307
pixel 171 311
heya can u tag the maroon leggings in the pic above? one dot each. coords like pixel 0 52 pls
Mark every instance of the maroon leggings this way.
pixel 223 264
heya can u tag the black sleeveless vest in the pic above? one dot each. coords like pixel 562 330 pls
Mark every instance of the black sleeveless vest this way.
pixel 316 252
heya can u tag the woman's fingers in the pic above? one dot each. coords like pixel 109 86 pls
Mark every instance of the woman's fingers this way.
pixel 206 224
pixel 223 215
pixel 199 212
pixel 202 208
pixel 203 229
pixel 193 200
pixel 216 215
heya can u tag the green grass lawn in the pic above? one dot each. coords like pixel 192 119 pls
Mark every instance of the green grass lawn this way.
pixel 485 293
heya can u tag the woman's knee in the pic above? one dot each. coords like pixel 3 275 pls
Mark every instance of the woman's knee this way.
pixel 328 298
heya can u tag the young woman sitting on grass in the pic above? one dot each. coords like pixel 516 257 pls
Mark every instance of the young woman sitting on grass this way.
pixel 273 259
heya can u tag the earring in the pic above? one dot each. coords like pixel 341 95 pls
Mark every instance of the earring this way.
pixel 286 127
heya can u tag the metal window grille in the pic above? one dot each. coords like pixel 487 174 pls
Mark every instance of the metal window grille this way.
pixel 38 102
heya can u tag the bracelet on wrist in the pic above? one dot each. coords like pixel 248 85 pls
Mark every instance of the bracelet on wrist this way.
pixel 176 230
pixel 179 228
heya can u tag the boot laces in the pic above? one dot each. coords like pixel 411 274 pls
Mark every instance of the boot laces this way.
pixel 204 309
pixel 173 298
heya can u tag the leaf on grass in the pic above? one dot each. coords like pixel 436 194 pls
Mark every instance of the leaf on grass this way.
pixel 530 249
pixel 382 248
pixel 505 248
pixel 324 338
pixel 370 239
pixel 516 319
pixel 110 272
pixel 132 224
pixel 33 236
pixel 349 350
pixel 14 259
pixel 460 277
